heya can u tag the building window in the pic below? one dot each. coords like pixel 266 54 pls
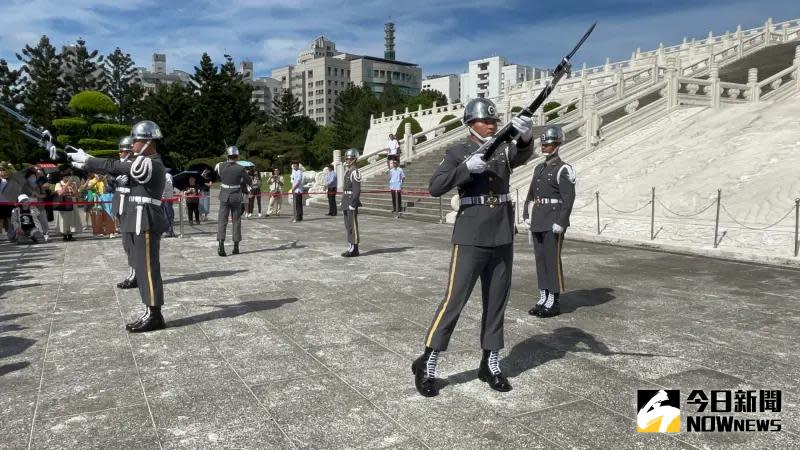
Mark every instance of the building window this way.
pixel 329 91
pixel 310 74
pixel 348 73
pixel 329 71
pixel 336 71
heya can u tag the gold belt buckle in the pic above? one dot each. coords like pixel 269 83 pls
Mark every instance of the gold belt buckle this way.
pixel 491 200
pixel 537 201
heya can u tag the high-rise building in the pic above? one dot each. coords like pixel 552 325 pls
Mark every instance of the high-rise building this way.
pixel 449 85
pixel 490 77
pixel 322 73
pixel 151 79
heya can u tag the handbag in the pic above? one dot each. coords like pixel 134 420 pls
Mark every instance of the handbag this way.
pixel 62 199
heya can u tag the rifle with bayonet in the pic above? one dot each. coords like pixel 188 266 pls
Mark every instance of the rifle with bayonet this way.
pixel 508 133
pixel 38 134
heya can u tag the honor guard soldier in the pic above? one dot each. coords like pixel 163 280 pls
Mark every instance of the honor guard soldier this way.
pixel 234 179
pixel 143 219
pixel 547 209
pixel 482 240
pixel 351 200
pixel 121 192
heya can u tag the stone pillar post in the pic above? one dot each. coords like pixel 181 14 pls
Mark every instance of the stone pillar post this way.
pixel 739 41
pixel 672 87
pixel 752 83
pixel 339 168
pixel 768 26
pixel 797 66
pixel 620 82
pixel 607 65
pixel 507 106
pixel 713 76
pixel 590 115
pixel 372 119
pixel 409 140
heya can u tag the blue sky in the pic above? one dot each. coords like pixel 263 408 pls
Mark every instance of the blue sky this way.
pixel 441 36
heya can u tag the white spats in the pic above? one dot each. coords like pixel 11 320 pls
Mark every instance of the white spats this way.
pixel 430 364
pixel 542 296
pixel 494 362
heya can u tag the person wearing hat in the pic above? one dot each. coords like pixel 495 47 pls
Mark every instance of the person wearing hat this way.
pixel 234 179
pixel 483 240
pixel 26 223
pixel 547 209
pixel 351 200
pixel 143 221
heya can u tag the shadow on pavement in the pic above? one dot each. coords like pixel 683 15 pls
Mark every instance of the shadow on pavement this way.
pixel 572 300
pixel 8 368
pixel 379 251
pixel 203 275
pixel 543 348
pixel 288 246
pixel 229 311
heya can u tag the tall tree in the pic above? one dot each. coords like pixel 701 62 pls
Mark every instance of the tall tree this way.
pixel 81 69
pixel 285 107
pixel 392 99
pixel 119 78
pixel 426 97
pixel 12 144
pixel 43 85
pixel 351 116
pixel 172 107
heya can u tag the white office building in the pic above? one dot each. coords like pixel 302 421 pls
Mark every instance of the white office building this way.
pixel 449 85
pixel 490 77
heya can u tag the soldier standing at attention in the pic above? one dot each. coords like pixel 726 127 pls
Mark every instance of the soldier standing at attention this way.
pixel 297 191
pixel 351 200
pixel 550 196
pixel 233 178
pixel 144 219
pixel 482 240
pixel 118 201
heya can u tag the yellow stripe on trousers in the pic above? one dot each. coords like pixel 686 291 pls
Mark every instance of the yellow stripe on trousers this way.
pixel 559 270
pixel 355 227
pixel 149 271
pixel 447 296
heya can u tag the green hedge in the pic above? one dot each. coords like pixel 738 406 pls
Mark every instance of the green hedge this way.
pixel 453 125
pixel 64 139
pixel 113 153
pixel 110 131
pixel 92 103
pixel 96 144
pixel 516 109
pixel 401 129
pixel 74 126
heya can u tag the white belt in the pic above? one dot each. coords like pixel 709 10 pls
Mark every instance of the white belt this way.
pixel 348 192
pixel 228 186
pixel 547 201
pixel 490 200
pixel 123 190
pixel 140 202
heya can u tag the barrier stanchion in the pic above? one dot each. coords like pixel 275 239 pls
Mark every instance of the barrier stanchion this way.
pixel 597 202
pixel 180 219
pixel 517 208
pixel 796 225
pixel 716 222
pixel 441 215
pixel 653 214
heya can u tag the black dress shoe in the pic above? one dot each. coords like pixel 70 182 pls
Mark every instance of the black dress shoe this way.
pixel 153 321
pixel 128 283
pixel 498 382
pixel 221 249
pixel 135 323
pixel 426 386
pixel 235 248
pixel 551 311
pixel 537 308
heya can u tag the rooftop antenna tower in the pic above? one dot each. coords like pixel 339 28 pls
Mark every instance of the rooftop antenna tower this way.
pixel 388 31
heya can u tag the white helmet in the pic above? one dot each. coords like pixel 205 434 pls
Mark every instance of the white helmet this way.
pixel 232 150
pixel 146 130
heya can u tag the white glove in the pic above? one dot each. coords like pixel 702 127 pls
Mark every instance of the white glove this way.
pixel 122 179
pixel 475 163
pixel 527 222
pixel 557 229
pixel 78 165
pixel 79 156
pixel 524 127
pixel 351 208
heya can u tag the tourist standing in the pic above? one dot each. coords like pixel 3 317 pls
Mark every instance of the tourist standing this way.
pixel 297 191
pixel 275 184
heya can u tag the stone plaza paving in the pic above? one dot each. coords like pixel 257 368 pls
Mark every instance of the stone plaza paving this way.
pixel 288 345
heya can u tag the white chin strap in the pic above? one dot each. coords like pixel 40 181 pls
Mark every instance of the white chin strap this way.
pixel 144 149
pixel 478 136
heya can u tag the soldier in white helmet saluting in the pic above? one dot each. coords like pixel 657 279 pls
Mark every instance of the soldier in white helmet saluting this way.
pixel 143 219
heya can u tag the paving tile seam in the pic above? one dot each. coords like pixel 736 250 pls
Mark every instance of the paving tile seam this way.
pixel 332 372
pixel 241 380
pixel 547 408
pixel 47 344
pixel 135 362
